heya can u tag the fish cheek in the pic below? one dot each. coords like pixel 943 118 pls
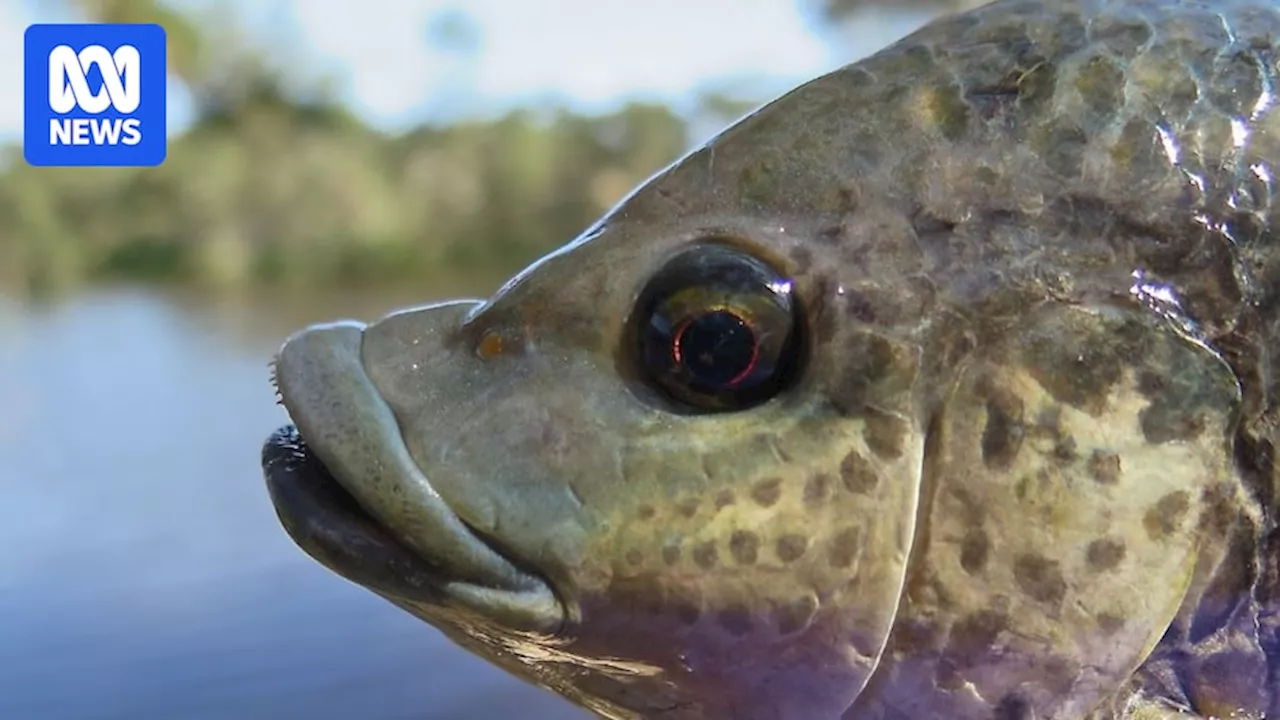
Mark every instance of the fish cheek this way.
pixel 763 563
pixel 1061 527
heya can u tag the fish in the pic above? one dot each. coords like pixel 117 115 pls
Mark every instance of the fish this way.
pixel 943 386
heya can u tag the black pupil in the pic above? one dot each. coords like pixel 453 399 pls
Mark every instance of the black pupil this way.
pixel 717 349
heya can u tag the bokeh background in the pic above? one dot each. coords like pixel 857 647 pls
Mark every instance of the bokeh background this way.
pixel 327 158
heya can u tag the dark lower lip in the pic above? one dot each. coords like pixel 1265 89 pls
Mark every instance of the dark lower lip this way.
pixel 330 526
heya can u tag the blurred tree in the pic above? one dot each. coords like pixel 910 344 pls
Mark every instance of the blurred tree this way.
pixel 185 41
pixel 211 54
pixel 276 181
pixel 840 11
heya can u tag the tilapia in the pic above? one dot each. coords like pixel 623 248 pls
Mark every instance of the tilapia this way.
pixel 943 386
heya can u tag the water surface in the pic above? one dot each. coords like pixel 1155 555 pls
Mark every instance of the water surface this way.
pixel 143 573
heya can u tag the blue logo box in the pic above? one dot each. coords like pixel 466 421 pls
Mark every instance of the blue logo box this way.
pixel 94 95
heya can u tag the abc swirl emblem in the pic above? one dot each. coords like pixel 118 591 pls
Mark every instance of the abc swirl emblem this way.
pixel 94 95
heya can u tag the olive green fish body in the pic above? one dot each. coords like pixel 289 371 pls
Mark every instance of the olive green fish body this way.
pixel 943 386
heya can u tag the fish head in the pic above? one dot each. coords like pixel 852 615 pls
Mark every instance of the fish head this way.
pixel 639 473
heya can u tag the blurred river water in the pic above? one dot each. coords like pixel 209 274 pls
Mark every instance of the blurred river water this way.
pixel 143 573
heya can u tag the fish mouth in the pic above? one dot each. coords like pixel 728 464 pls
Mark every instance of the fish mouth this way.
pixel 348 494
pixel 329 524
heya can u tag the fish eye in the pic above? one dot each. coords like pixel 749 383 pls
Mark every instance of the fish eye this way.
pixel 715 330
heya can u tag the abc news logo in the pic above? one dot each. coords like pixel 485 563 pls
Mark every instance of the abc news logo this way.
pixel 94 95
pixel 69 89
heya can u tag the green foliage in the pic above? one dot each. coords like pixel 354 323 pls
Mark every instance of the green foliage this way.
pixel 839 11
pixel 277 183
pixel 285 193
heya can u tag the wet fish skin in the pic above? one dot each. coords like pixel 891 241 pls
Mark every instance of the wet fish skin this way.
pixel 1026 470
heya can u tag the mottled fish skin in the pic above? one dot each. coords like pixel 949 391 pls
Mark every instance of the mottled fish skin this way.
pixel 1027 468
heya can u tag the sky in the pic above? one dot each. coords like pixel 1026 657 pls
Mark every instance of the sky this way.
pixel 591 53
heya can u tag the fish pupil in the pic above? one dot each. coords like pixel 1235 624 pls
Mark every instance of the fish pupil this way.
pixel 717 349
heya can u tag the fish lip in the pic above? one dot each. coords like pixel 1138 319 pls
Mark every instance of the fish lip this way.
pixel 329 525
pixel 429 556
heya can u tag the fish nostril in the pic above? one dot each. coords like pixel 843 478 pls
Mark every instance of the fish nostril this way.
pixel 489 345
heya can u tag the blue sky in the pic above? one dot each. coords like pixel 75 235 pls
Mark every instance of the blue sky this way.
pixel 592 53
